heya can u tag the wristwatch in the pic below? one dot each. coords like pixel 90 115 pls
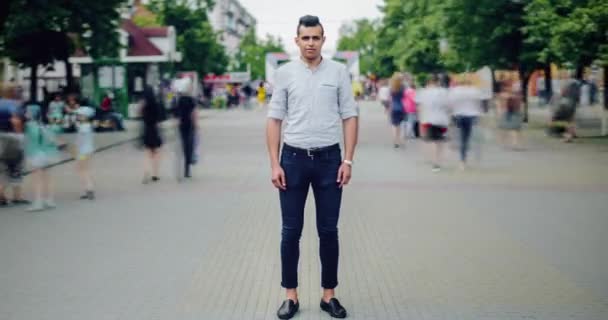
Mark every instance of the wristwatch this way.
pixel 348 162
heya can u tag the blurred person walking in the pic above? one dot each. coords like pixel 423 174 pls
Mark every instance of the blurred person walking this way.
pixel 384 95
pixel 563 119
pixel 187 117
pixel 411 112
pixel 261 94
pixel 313 95
pixel 41 150
pixel 151 114
pixel 12 156
pixel 397 109
pixel 69 114
pixel 55 112
pixel 433 106
pixel 510 116
pixel 84 149
pixel 465 101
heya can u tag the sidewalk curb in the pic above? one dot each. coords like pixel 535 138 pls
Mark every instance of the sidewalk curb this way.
pixel 97 150
pixel 104 148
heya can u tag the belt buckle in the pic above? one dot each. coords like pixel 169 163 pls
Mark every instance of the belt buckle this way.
pixel 309 154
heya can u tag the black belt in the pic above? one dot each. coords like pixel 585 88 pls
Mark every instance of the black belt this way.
pixel 311 151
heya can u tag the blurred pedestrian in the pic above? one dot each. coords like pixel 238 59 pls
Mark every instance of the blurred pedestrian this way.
pixel 510 115
pixel 313 97
pixel 152 141
pixel 384 95
pixel 55 112
pixel 396 107
pixel 433 109
pixel 41 150
pixel 107 116
pixel 187 116
pixel 465 101
pixel 84 149
pixel 411 112
pixel 563 119
pixel 261 94
pixel 247 93
pixel 11 148
pixel 69 114
pixel 357 89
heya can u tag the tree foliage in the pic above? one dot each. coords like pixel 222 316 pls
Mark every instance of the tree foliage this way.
pixel 252 53
pixel 38 32
pixel 195 37
pixel 361 36
pixel 502 34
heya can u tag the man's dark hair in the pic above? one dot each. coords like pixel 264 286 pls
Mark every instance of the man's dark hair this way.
pixel 310 21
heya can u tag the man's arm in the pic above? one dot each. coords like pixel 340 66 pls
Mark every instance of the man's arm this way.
pixel 349 112
pixel 273 140
pixel 277 111
pixel 351 133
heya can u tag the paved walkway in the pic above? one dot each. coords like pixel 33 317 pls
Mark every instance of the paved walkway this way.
pixel 519 236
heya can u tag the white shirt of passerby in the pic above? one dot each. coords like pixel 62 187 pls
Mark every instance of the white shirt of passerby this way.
pixel 465 101
pixel 433 106
pixel 384 93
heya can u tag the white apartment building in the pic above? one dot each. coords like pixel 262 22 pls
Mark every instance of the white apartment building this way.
pixel 232 21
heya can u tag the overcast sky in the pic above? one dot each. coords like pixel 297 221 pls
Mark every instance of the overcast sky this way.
pixel 280 17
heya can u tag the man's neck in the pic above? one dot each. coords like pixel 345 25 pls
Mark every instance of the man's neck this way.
pixel 312 63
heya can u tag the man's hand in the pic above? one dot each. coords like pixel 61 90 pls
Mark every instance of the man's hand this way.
pixel 344 174
pixel 278 178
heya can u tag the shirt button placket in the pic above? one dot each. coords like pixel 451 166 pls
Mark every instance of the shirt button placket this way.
pixel 309 98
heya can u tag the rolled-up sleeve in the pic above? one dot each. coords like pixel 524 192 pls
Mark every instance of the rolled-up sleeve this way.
pixel 347 105
pixel 277 109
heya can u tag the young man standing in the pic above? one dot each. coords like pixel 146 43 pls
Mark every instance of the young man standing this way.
pixel 313 96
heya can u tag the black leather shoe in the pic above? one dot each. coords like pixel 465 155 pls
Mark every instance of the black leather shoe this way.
pixel 334 308
pixel 288 309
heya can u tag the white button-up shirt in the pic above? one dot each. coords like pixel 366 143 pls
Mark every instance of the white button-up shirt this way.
pixel 312 103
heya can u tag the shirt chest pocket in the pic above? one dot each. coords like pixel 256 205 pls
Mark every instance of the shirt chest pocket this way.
pixel 327 96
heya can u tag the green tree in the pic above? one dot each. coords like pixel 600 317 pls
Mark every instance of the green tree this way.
pixel 540 18
pixel 409 37
pixel 30 36
pixel 361 36
pixel 61 26
pixel 571 33
pixel 417 50
pixel 491 33
pixel 252 53
pixel 582 38
pixel 195 37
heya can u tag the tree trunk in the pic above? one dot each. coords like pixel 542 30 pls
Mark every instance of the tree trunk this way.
pixel 69 75
pixel 579 72
pixel 524 78
pixel 34 82
pixel 606 86
pixel 548 82
pixel 605 113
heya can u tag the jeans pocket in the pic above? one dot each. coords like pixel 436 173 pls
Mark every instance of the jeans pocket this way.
pixel 288 157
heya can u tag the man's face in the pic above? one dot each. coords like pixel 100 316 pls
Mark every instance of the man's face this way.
pixel 310 40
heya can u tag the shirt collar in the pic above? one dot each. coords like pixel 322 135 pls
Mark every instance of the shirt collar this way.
pixel 318 67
